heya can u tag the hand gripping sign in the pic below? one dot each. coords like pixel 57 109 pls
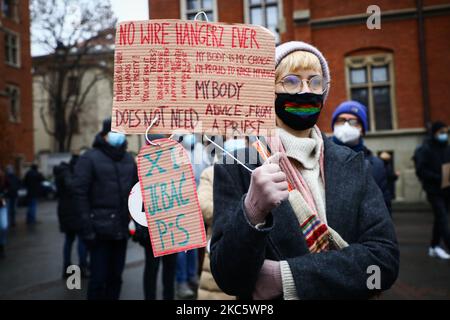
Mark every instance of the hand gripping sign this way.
pixel 196 76
pixel 167 184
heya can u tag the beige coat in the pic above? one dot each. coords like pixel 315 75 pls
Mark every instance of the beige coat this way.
pixel 208 289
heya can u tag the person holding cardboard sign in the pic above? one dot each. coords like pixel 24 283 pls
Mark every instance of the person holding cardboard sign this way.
pixel 431 160
pixel 309 222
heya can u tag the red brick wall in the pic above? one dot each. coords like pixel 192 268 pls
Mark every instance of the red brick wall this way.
pixel 438 61
pixel 400 37
pixel 164 9
pixel 331 8
pixel 231 11
pixel 21 134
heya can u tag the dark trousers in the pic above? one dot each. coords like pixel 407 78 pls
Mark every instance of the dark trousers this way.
pixel 169 263
pixel 187 262
pixel 67 251
pixel 107 264
pixel 31 213
pixel 440 205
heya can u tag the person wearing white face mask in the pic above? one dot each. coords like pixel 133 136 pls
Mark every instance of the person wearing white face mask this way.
pixel 349 124
pixel 430 159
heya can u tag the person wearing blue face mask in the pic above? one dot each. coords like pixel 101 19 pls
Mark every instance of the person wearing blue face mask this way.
pixel 432 155
pixel 115 139
pixel 103 178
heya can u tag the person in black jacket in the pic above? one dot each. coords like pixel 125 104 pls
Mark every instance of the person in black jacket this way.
pixel 152 263
pixel 69 221
pixel 429 159
pixel 12 185
pixel 391 175
pixel 32 182
pixel 104 176
pixel 349 124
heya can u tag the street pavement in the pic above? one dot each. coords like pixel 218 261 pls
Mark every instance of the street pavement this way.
pixel 32 268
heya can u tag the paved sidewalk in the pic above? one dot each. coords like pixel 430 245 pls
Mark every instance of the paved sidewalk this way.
pixel 33 267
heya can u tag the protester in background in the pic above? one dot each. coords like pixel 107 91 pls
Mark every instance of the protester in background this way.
pixel 187 262
pixel 32 182
pixel 12 186
pixel 391 177
pixel 69 220
pixel 320 243
pixel 349 124
pixel 168 263
pixel 208 289
pixel 234 144
pixel 152 263
pixel 197 154
pixel 104 176
pixel 3 215
pixel 429 159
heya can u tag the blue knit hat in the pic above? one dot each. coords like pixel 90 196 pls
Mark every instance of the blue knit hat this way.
pixel 352 107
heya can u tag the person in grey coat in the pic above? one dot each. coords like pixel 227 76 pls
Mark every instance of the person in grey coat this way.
pixel 309 222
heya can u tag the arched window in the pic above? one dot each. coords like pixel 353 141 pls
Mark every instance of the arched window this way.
pixel 370 80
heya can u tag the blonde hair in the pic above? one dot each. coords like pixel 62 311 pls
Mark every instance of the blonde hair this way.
pixel 296 61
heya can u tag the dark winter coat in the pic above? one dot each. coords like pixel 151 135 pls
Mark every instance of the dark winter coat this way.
pixel 32 182
pixel 379 174
pixel 12 184
pixel 354 208
pixel 391 177
pixel 142 236
pixel 104 176
pixel 429 159
pixel 69 220
pixel 376 167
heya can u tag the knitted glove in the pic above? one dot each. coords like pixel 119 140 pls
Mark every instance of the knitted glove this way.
pixel 269 284
pixel 268 187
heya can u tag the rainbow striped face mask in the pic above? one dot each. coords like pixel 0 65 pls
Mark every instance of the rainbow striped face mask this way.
pixel 299 111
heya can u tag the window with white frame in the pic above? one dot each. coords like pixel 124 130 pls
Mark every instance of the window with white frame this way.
pixel 13 94
pixel 11 48
pixel 370 80
pixel 190 8
pixel 264 13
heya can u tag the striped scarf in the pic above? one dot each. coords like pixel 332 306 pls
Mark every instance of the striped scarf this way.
pixel 317 234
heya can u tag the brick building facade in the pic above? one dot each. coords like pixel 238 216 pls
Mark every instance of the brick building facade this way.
pixel 400 71
pixel 16 114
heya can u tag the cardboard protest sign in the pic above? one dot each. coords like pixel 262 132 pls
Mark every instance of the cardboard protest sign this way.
pixel 445 175
pixel 174 218
pixel 195 76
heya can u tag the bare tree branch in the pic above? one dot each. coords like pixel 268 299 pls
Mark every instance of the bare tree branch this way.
pixel 70 29
pixel 45 123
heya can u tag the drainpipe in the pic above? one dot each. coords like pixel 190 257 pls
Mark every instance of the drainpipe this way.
pixel 423 65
